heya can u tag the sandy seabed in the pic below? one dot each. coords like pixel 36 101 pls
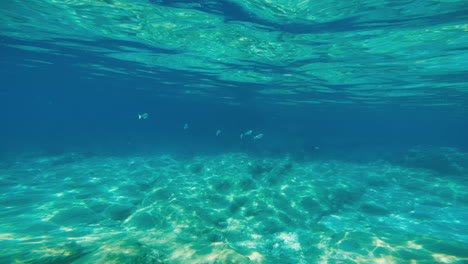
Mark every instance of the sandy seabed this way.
pixel 230 208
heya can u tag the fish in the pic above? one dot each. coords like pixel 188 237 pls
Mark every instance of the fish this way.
pixel 143 116
pixel 218 132
pixel 259 136
pixel 185 126
pixel 248 133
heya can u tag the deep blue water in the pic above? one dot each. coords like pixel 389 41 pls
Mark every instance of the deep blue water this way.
pixel 53 108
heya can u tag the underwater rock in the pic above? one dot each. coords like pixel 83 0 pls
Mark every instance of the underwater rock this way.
pixel 196 168
pixel 120 249
pixel 75 215
pixel 67 252
pixel 443 160
pixel 374 209
pixel 118 212
pixel 146 219
pixel 258 169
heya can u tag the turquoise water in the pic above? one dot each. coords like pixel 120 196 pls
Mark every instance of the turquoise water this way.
pixel 153 131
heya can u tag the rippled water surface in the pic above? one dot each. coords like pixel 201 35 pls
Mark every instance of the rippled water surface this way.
pixel 322 52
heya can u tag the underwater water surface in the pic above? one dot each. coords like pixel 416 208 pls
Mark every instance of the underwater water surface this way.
pixel 254 131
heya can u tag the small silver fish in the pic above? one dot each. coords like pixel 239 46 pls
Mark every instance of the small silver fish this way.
pixel 143 116
pixel 185 126
pixel 248 133
pixel 259 136
pixel 218 132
